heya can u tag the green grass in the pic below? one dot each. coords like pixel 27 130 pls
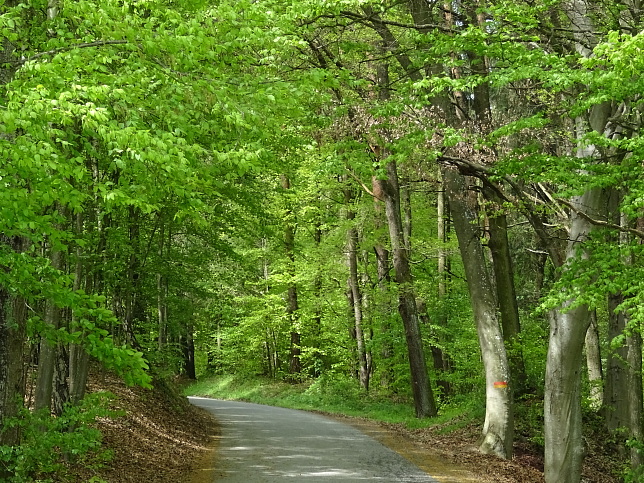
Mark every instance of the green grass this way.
pixel 329 395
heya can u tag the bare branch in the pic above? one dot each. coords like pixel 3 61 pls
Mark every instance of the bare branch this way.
pixel 596 222
pixel 526 206
pixel 364 187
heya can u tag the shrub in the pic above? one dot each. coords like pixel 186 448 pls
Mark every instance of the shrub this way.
pixel 49 442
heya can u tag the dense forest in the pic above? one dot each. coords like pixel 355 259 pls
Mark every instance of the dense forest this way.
pixel 439 201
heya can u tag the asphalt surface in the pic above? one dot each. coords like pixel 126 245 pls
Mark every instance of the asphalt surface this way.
pixel 269 444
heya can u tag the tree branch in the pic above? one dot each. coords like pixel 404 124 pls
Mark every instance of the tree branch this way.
pixel 525 205
pixel 373 18
pixel 98 43
pixel 364 186
pixel 605 224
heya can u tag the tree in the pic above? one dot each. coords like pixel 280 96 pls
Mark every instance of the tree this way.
pixel 498 429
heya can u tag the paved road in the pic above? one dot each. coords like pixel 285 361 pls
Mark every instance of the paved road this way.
pixel 269 444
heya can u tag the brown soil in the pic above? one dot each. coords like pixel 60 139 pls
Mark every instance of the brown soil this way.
pixel 162 438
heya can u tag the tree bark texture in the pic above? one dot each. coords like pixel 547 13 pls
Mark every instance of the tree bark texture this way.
pixel 78 373
pixel 60 393
pixel 635 399
pixel 424 402
pixel 188 347
pixel 498 429
pixel 13 315
pixel 134 310
pixel 13 323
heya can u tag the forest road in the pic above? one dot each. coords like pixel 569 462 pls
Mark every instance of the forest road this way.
pixel 268 444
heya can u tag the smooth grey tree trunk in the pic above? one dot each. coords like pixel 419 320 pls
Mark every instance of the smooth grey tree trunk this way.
pixel 568 327
pixel 594 363
pixel 498 430
pixel 505 291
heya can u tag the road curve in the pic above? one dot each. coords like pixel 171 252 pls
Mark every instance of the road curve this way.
pixel 268 444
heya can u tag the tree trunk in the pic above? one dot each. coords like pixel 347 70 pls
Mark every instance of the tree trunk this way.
pixel 382 254
pixel 189 349
pixel 424 402
pixel 562 409
pixel 568 327
pixel 383 268
pixel 356 293
pixel 442 362
pixel 162 289
pixel 405 199
pixel 60 394
pixel 442 220
pixel 635 402
pixel 498 429
pixel 318 363
pixel 13 315
pixel 505 291
pixel 636 394
pixel 78 357
pixel 594 363
pixel 78 373
pixel 48 349
pixel 295 363
pixel 623 398
pixel 133 285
